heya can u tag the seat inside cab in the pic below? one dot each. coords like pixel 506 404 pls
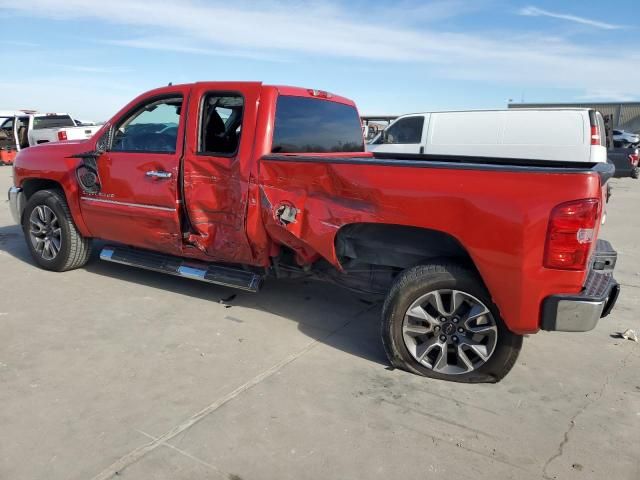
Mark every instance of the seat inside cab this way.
pixel 221 125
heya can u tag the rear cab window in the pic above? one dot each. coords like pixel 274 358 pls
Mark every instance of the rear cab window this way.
pixel 312 125
pixel 52 121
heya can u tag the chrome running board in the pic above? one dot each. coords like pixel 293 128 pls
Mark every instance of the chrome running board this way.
pixel 181 267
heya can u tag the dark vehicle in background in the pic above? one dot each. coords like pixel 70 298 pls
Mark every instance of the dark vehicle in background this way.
pixel 624 139
pixel 625 161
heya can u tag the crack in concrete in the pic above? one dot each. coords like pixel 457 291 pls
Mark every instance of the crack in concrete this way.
pixel 215 469
pixel 408 408
pixel 138 453
pixel 572 421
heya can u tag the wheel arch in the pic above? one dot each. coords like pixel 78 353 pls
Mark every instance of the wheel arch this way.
pixel 31 185
pixel 399 246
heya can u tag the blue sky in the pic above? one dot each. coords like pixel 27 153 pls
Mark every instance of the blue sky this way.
pixel 392 57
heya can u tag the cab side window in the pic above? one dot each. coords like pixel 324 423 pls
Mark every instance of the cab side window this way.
pixel 152 128
pixel 405 131
pixel 221 124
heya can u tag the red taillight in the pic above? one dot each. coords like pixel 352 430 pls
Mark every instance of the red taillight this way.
pixel 633 159
pixel 571 233
pixel 62 135
pixel 595 135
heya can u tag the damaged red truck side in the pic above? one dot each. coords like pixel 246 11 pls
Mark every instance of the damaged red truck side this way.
pixel 233 182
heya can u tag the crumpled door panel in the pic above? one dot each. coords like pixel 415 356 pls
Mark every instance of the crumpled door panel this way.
pixel 216 199
pixel 303 207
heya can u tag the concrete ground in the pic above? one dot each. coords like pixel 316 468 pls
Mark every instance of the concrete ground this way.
pixel 112 372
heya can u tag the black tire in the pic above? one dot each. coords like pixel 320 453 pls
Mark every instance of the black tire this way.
pixel 75 249
pixel 635 172
pixel 418 281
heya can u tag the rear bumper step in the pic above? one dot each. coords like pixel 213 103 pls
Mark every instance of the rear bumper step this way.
pixel 580 312
pixel 180 267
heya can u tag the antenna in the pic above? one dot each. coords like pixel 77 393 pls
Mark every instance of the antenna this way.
pixel 170 84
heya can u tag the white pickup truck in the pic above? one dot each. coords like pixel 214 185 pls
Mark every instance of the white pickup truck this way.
pixel 36 128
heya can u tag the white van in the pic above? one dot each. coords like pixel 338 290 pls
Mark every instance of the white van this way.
pixel 554 134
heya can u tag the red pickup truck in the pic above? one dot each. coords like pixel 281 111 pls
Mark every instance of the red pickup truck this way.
pixel 233 182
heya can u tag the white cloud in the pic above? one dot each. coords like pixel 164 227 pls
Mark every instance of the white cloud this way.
pixel 410 12
pixel 95 100
pixel 270 27
pixel 607 96
pixel 539 12
pixel 18 43
pixel 90 68
pixel 282 30
pixel 186 46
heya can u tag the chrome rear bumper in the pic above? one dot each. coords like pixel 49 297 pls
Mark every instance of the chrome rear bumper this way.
pixel 581 312
pixel 16 203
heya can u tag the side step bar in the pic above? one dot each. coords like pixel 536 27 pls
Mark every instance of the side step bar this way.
pixel 204 272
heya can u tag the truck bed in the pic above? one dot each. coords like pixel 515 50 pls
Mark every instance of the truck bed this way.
pixel 498 211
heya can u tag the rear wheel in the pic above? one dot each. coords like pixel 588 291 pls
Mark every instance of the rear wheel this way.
pixel 635 172
pixel 439 321
pixel 51 235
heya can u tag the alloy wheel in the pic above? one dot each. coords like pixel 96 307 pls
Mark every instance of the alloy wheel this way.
pixel 45 232
pixel 450 332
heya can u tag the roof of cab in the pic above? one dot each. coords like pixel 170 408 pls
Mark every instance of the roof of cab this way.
pixel 282 90
pixel 312 93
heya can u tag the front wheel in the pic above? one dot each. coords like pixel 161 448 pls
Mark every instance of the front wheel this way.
pixel 635 172
pixel 51 234
pixel 439 322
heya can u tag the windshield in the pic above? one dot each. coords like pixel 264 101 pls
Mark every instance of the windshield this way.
pixel 52 121
pixel 309 125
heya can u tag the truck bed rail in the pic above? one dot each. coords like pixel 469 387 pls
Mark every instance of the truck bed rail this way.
pixel 605 170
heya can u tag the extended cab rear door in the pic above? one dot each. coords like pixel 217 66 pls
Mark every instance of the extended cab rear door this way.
pixel 137 202
pixel 217 167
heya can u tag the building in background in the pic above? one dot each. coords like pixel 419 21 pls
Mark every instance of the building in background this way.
pixel 623 115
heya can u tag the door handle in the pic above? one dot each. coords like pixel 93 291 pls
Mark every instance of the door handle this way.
pixel 157 174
